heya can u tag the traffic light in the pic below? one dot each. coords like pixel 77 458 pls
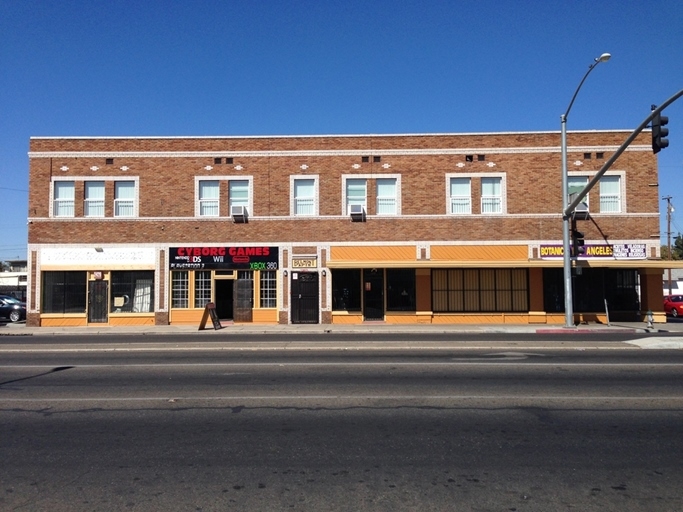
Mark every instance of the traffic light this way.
pixel 659 133
pixel 578 243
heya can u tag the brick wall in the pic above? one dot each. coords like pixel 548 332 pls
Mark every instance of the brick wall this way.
pixel 167 187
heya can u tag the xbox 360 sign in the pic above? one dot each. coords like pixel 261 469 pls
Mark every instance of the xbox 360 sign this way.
pixel 229 258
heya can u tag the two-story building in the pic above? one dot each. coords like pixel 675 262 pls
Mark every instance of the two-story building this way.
pixel 433 228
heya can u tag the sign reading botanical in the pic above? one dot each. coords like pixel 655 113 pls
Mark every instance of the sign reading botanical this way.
pixel 616 251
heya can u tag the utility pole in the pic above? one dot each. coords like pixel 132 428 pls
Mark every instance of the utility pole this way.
pixel 669 209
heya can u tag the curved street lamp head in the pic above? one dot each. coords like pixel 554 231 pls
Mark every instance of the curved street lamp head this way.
pixel 603 58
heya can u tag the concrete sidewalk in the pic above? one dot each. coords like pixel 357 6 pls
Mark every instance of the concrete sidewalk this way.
pixel 20 329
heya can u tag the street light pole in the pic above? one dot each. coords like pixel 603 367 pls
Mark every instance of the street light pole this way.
pixel 568 299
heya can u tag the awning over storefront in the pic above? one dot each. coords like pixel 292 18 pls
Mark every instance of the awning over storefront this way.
pixel 595 263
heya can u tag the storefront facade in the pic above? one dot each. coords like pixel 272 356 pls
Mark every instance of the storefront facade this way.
pixel 445 228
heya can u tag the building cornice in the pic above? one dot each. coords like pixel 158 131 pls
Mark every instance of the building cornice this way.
pixel 314 136
pixel 328 153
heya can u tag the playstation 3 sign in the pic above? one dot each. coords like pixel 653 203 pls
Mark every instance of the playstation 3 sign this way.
pixel 227 258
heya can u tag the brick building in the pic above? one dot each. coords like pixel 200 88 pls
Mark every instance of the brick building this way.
pixel 435 228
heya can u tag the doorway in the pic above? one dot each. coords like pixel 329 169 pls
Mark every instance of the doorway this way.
pixel 244 298
pixel 98 292
pixel 224 298
pixel 305 297
pixel 373 294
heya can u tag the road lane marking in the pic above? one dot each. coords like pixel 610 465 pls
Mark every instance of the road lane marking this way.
pixel 456 362
pixel 658 343
pixel 303 347
pixel 179 399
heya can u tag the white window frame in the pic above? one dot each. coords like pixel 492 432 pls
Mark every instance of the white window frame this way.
pixel 94 206
pixel 250 193
pixel 199 201
pixel 85 179
pixel 478 176
pixel 621 176
pixel 316 194
pixel 450 198
pixel 54 201
pixel 576 176
pixel 396 198
pixel 119 201
pixel 502 196
pixel 346 201
pixel 219 179
pixel 622 189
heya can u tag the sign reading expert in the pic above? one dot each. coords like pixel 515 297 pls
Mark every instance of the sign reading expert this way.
pixel 232 258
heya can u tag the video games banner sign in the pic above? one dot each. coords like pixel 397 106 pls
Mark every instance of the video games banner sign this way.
pixel 223 258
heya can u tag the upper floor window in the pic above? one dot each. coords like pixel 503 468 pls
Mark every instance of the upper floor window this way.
pixel 304 196
pixel 238 193
pixel 356 193
pixel 491 195
pixel 610 194
pixel 576 184
pixel 208 198
pixel 124 199
pixel 63 197
pixel 94 199
pixel 460 195
pixel 387 196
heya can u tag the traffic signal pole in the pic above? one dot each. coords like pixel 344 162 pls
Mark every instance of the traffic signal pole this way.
pixel 655 113
pixel 568 211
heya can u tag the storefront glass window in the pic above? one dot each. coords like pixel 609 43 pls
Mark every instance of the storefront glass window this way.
pixel 594 286
pixel 202 288
pixel 180 289
pixel 132 292
pixel 400 289
pixel 346 285
pixel 268 289
pixel 64 292
pixel 499 290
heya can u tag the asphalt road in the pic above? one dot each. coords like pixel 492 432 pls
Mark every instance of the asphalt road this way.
pixel 456 429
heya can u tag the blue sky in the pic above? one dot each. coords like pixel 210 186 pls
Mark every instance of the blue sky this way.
pixel 272 67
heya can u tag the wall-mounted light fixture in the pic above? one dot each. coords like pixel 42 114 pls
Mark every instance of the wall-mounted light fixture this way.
pixel 284 273
pixel 324 273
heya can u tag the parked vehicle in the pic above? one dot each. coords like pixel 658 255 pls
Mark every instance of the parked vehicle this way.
pixel 673 305
pixel 12 309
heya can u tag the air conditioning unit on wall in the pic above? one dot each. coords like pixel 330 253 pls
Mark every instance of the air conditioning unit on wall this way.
pixel 238 213
pixel 357 212
pixel 581 212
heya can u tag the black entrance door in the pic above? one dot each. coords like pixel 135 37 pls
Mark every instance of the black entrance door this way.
pixel 224 298
pixel 244 299
pixel 373 294
pixel 305 297
pixel 97 302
